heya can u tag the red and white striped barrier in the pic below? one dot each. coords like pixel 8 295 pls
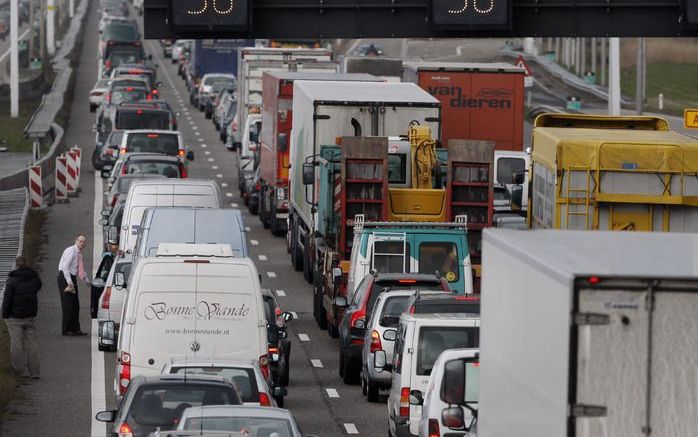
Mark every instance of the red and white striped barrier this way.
pixel 72 173
pixel 36 193
pixel 78 152
pixel 61 179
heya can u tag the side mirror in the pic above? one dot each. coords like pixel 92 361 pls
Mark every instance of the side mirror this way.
pixel 519 177
pixel 190 155
pixel 94 128
pixel 517 198
pixel 283 142
pixel 252 146
pixel 103 221
pixel 287 316
pixel 159 84
pixel 340 301
pixel 119 280
pixel 390 334
pixel 106 213
pixel 379 360
pixel 177 114
pixel 308 173
pixel 113 234
pixel 98 283
pixel 453 418
pixel 105 173
pixel 106 416
pixel 107 334
pixel 279 392
pixel 416 398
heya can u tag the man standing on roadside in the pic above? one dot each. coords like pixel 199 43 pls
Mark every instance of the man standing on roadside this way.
pixel 19 308
pixel 70 268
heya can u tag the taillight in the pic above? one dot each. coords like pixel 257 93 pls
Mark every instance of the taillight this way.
pixel 105 298
pixel 123 150
pixel 404 402
pixel 264 365
pixel 156 92
pixel 125 430
pixel 434 428
pixel 376 341
pixel 124 372
pixel 108 97
pixel 264 400
pixel 108 151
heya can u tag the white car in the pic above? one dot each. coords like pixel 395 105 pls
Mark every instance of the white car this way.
pixel 248 148
pixel 466 364
pixel 177 48
pixel 239 420
pixel 97 93
pixel 111 303
pixel 381 332
pixel 420 340
pixel 250 382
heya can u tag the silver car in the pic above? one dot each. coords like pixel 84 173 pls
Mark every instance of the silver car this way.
pixel 111 303
pixel 380 340
pixel 97 93
pixel 254 421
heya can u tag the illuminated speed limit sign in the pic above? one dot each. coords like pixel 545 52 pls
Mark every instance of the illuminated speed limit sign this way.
pixel 210 13
pixel 471 14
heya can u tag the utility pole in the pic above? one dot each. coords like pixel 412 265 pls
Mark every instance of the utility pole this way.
pixel 644 69
pixel 604 42
pixel 42 32
pixel 593 55
pixel 638 77
pixel 32 34
pixel 14 58
pixel 71 8
pixel 558 48
pixel 614 76
pixel 50 27
pixel 578 56
pixel 584 55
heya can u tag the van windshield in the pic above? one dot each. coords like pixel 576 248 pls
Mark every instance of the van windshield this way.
pixel 439 258
pixel 506 167
pixel 435 339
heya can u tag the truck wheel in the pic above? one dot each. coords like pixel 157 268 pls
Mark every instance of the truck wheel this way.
pixel 93 107
pixel 349 376
pixel 208 114
pixel 307 265
pixel 363 384
pixel 321 313
pixel 286 369
pixel 372 391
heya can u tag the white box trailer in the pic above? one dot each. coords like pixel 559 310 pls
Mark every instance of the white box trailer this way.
pixel 253 62
pixel 325 111
pixel 588 334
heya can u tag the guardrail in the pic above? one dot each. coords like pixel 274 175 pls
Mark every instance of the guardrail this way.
pixel 14 205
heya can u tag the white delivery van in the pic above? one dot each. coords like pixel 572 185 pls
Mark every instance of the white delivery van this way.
pixel 506 164
pixel 163 192
pixel 187 302
pixel 420 340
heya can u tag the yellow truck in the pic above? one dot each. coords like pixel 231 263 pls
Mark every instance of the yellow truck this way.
pixel 611 173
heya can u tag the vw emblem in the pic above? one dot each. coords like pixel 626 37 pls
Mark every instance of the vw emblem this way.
pixel 195 346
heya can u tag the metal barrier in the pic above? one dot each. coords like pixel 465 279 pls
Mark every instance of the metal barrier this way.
pixel 14 205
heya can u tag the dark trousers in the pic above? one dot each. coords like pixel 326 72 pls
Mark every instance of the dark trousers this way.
pixel 94 301
pixel 70 305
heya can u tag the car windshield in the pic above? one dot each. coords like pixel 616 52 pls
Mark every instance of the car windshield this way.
pixel 118 58
pixel 156 143
pixel 253 426
pixel 127 95
pixel 162 405
pixel 243 378
pixel 394 306
pixel 120 32
pixel 165 168
pixel 115 138
pixel 435 339
pixel 142 119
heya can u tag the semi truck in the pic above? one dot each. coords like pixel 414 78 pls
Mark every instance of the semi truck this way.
pixel 277 116
pixel 215 55
pixel 479 101
pixel 252 62
pixel 583 334
pixel 593 172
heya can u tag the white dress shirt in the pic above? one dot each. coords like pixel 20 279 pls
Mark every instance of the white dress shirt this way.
pixel 69 263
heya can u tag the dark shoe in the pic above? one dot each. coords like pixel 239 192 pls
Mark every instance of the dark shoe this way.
pixel 36 377
pixel 69 333
pixel 79 333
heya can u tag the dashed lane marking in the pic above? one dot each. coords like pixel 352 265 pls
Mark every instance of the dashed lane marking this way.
pixel 234 205
pixel 224 184
pixel 211 159
pixel 254 242
pixel 248 229
pixel 281 293
pixel 206 152
pixel 214 167
pixel 303 337
pixel 351 428
pixel 271 274
pixel 316 363
pixel 262 257
pixel 228 194
pixel 203 145
pixel 219 175
pixel 332 392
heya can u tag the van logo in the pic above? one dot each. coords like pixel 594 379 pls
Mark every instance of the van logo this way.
pixel 195 346
pixel 203 310
pixel 493 98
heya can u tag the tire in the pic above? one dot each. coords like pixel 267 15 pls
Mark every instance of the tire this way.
pixel 332 329
pixel 307 265
pixel 349 376
pixel 341 363
pixel 321 313
pixel 96 164
pixel 286 372
pixel 279 401
pixel 363 384
pixel 372 391
pixel 253 205
pixel 208 114
pixel 277 226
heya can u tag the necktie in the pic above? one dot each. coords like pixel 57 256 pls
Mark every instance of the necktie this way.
pixel 81 268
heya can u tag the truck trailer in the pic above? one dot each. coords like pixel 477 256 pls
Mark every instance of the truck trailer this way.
pixel 215 55
pixel 587 334
pixel 479 101
pixel 277 116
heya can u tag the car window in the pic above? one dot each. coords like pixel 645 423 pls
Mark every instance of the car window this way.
pixel 401 284
pixel 253 426
pixel 399 345
pixel 361 291
pixel 162 405
pixel 441 257
pixel 397 168
pixel 152 142
pixel 167 169
pixel 141 119
pixel 120 32
pixel 128 95
pixel 394 306
pixel 243 379
pixel 506 167
pixel 435 339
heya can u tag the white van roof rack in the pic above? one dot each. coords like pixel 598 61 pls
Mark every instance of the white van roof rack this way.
pixel 182 249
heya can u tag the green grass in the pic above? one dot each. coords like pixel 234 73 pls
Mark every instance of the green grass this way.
pixel 12 129
pixel 676 81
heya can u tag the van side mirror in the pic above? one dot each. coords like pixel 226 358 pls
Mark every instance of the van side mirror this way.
pixel 106 416
pixel 287 316
pixel 279 392
pixel 379 360
pixel 113 234
pixel 282 142
pixel 105 213
pixel 119 280
pixel 390 334
pixel 517 198
pixel 308 173
pixel 103 221
pixel 519 177
pixel 453 418
pixel 340 301
pixel 107 335
pixel 416 398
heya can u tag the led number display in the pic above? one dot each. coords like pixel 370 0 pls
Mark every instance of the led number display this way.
pixel 209 12
pixel 479 14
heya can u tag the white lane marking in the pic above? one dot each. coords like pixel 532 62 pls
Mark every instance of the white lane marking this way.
pixel 228 194
pixel 197 133
pixel 204 146
pixel 254 242
pixel 281 293
pixel 7 53
pixel 189 118
pixel 271 274
pixel 224 184
pixel 206 152
pixel 191 122
pixel 316 363
pixel 211 159
pixel 199 139
pixel 248 229
pixel 332 392
pixel 262 257
pixel 303 337
pixel 219 175
pixel 97 390
pixel 214 167
pixel 351 428
pixel 234 205
pixel 194 128
pixel 294 314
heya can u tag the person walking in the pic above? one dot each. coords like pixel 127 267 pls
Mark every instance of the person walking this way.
pixel 19 308
pixel 70 268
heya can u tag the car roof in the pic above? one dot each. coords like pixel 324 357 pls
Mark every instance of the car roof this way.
pixel 213 362
pixel 152 157
pixel 387 277
pixel 238 411
pixel 427 317
pixel 178 379
pixel 152 131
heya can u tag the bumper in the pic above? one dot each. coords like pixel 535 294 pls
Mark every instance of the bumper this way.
pixel 403 429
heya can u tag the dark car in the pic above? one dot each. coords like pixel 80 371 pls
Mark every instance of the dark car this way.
pixel 430 303
pixel 106 153
pixel 158 402
pixel 279 344
pixel 123 55
pixel 352 328
pixel 119 33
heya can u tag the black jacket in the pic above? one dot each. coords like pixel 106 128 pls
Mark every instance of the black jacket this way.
pixel 21 288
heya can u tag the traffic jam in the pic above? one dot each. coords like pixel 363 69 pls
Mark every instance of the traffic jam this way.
pixel 403 206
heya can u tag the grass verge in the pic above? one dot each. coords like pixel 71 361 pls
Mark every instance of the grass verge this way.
pixel 33 239
pixel 677 82
pixel 12 129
